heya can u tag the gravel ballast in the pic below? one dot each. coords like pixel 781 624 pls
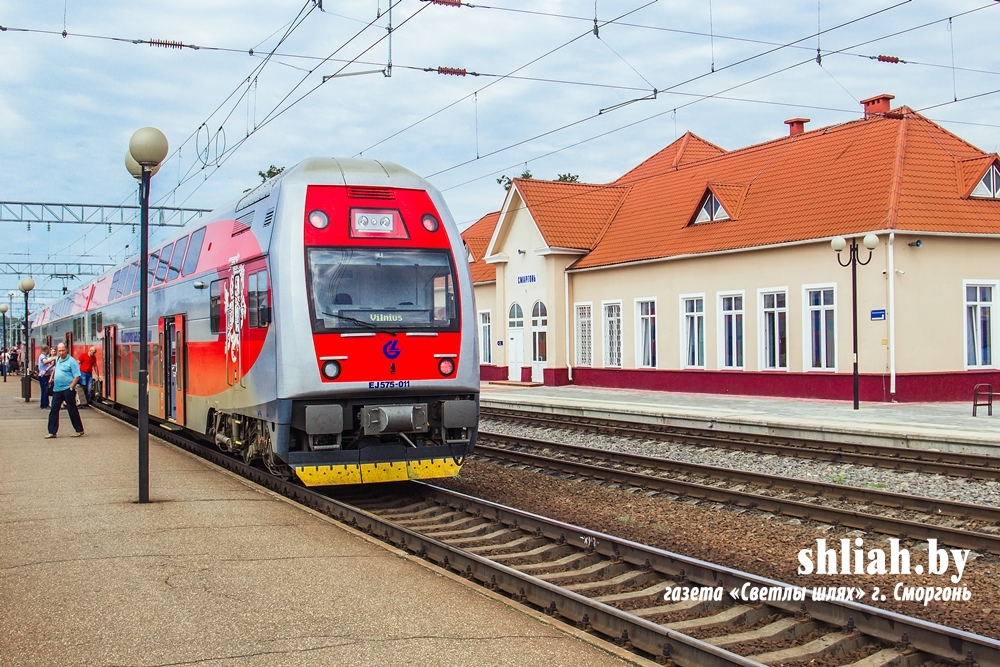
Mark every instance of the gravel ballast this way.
pixel 979 492
pixel 751 541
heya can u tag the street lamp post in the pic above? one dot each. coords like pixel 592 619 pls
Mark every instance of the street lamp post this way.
pixel 146 150
pixel 26 285
pixel 839 244
pixel 3 364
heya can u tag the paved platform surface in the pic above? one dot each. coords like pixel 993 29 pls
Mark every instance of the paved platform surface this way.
pixel 216 572
pixel 945 426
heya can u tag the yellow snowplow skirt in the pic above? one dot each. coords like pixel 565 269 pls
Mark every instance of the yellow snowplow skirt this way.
pixel 370 473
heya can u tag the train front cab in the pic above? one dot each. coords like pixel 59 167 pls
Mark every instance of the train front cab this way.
pixel 389 311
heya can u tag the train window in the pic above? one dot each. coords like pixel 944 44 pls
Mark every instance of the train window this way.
pixel 371 288
pixel 154 258
pixel 118 361
pixel 154 365
pixel 194 252
pixel 129 274
pixel 135 361
pixel 252 299
pixel 96 325
pixel 134 287
pixel 215 306
pixel 161 269
pixel 264 313
pixel 175 263
pixel 114 285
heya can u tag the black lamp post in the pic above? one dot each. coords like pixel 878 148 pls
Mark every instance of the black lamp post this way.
pixel 3 312
pixel 839 244
pixel 26 285
pixel 146 150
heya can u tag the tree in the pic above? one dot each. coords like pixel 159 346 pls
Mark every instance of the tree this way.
pixel 271 172
pixel 568 178
pixel 505 180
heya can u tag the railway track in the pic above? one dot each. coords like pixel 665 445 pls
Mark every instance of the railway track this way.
pixel 626 592
pixel 972 466
pixel 835 504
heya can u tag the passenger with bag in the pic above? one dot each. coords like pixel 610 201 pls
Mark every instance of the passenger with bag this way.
pixel 45 364
pixel 65 378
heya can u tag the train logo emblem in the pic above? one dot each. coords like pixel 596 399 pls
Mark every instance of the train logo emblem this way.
pixel 391 349
pixel 236 308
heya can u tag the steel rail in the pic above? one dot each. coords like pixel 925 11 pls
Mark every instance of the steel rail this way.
pixel 657 640
pixel 605 619
pixel 902 528
pixel 842 492
pixel 973 466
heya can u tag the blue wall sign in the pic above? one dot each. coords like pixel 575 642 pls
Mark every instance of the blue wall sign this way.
pixel 878 315
pixel 529 278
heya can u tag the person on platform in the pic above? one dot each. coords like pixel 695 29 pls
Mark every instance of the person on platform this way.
pixel 12 365
pixel 65 377
pixel 88 360
pixel 45 364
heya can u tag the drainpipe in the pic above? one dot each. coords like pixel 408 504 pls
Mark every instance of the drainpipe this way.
pixel 568 327
pixel 892 319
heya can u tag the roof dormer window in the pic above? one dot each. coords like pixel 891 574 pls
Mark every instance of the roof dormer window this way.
pixel 711 210
pixel 989 186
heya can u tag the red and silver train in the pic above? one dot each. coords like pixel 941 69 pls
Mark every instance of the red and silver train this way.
pixel 323 323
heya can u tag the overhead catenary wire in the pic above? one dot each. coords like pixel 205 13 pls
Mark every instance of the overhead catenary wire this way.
pixel 718 95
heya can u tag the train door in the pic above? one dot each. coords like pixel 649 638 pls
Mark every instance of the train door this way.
pixel 110 354
pixel 515 342
pixel 174 366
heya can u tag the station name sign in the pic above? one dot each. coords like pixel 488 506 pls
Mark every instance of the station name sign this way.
pixel 527 278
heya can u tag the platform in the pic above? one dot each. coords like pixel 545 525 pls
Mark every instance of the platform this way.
pixel 932 426
pixel 218 572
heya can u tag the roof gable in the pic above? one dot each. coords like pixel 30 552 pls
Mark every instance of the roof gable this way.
pixel 688 148
pixel 570 215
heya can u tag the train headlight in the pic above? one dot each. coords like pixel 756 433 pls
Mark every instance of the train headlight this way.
pixel 331 370
pixel 430 222
pixel 446 366
pixel 319 219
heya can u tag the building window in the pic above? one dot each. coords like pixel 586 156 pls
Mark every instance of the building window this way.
pixel 613 334
pixel 775 321
pixel 989 187
pixel 822 328
pixel 515 317
pixel 539 324
pixel 979 325
pixel 646 329
pixel 584 335
pixel 711 210
pixel 732 331
pixel 694 332
pixel 485 337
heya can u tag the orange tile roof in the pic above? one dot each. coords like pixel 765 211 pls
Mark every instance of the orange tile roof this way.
pixel 688 148
pixel 477 238
pixel 570 215
pixel 896 170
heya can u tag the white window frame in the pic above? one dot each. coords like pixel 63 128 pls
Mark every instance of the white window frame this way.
pixel 604 333
pixel 485 345
pixel 720 326
pixel 762 325
pixel 807 330
pixel 995 284
pixel 683 329
pixel 638 331
pixel 576 333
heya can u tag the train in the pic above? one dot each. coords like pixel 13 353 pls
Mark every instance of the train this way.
pixel 323 324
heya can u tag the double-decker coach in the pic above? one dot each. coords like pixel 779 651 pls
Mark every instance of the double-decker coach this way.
pixel 323 323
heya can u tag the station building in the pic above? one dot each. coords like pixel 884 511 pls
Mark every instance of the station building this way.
pixel 712 271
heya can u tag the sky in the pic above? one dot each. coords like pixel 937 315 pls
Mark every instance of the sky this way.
pixel 552 95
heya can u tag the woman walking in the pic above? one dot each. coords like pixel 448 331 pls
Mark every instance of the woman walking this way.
pixel 65 377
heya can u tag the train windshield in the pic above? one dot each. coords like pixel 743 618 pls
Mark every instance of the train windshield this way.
pixel 354 289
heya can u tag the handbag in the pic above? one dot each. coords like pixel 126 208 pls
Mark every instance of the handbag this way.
pixel 81 395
